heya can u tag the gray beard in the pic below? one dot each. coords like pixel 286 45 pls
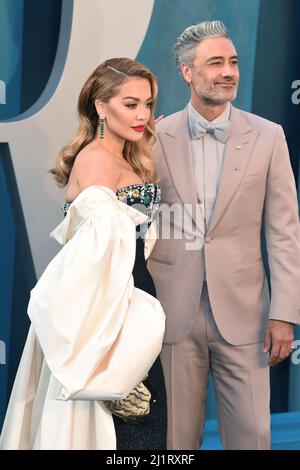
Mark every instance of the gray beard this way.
pixel 214 100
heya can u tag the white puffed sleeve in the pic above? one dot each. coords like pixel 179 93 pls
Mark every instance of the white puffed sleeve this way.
pixel 99 334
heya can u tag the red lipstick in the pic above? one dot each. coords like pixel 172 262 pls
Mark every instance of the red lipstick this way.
pixel 139 128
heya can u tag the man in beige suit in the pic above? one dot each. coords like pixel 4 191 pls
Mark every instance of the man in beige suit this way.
pixel 223 171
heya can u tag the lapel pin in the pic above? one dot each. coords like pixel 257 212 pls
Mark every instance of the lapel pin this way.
pixel 236 168
pixel 238 147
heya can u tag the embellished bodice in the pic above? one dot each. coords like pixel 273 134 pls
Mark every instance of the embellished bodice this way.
pixel 144 197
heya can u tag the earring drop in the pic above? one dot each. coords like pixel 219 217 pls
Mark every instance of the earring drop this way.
pixel 101 126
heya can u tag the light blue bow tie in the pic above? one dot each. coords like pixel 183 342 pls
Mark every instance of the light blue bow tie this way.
pixel 219 130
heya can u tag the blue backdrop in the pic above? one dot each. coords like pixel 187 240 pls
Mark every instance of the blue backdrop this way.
pixel 266 36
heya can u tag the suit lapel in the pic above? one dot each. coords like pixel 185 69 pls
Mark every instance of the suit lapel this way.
pixel 177 143
pixel 236 156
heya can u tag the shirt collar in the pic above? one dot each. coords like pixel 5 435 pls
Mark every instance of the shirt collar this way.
pixel 194 115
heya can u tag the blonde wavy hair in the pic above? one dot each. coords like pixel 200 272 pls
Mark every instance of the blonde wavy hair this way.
pixel 102 85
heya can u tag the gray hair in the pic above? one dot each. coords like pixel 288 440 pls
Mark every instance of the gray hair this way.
pixel 185 44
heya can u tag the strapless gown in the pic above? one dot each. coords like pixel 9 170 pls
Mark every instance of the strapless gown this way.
pixel 151 433
pixel 69 363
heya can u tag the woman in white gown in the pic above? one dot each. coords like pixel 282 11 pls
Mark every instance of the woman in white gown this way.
pixel 96 326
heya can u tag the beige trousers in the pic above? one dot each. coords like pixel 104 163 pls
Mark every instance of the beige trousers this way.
pixel 241 379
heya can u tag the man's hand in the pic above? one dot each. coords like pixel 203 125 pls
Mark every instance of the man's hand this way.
pixel 279 339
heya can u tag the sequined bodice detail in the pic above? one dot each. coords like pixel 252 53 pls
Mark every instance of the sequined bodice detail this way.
pixel 144 197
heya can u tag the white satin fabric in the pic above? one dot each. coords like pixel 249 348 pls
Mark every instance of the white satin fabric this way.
pixel 93 335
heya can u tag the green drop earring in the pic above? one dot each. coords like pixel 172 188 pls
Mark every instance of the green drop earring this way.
pixel 101 126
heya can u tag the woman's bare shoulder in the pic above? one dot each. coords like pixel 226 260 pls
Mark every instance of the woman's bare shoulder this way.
pixel 94 165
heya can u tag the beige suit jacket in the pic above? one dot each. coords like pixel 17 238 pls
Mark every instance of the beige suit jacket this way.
pixel 257 186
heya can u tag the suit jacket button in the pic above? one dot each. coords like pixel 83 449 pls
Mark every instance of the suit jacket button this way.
pixel 208 239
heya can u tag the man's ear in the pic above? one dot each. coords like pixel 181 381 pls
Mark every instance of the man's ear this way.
pixel 186 73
